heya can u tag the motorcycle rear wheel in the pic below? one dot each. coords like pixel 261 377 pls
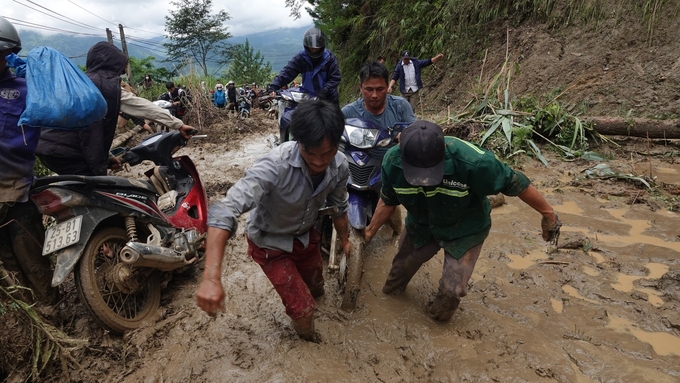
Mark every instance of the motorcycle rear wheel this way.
pixel 114 308
pixel 353 271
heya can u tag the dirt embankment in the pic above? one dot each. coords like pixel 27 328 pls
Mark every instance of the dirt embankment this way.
pixel 617 68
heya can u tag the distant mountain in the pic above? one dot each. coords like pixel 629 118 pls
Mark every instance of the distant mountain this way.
pixel 277 46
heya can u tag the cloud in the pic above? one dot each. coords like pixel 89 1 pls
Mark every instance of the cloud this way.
pixel 143 18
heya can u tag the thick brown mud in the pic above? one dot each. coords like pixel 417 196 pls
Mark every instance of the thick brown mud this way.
pixel 603 309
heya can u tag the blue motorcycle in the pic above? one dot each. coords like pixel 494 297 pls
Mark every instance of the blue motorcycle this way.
pixel 364 144
pixel 288 100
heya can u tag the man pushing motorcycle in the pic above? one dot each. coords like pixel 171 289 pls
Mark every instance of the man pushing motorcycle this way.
pixel 443 183
pixel 285 190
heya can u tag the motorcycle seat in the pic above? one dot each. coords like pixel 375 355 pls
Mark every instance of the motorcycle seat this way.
pixel 93 181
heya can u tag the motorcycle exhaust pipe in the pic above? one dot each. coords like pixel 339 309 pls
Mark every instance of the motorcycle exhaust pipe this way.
pixel 161 258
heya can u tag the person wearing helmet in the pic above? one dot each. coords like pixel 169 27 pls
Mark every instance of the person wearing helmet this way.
pixel 318 66
pixel 21 231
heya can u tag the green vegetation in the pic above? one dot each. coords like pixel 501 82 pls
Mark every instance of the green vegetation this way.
pixel 37 340
pixel 142 67
pixel 515 125
pixel 248 66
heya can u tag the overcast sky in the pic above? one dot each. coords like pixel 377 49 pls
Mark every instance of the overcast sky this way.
pixel 142 18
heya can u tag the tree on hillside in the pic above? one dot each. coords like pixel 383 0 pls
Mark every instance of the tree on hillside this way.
pixel 142 67
pixel 195 33
pixel 249 66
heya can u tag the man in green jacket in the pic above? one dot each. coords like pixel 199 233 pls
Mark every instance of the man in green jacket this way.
pixel 443 183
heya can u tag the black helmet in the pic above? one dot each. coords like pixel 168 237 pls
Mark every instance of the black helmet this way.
pixel 9 38
pixel 314 38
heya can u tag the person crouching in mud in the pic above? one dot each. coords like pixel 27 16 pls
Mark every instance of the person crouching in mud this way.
pixel 443 183
pixel 285 190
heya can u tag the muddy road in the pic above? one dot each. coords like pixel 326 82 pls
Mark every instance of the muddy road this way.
pixel 603 307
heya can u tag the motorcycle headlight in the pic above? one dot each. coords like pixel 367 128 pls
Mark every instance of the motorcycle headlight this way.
pixel 361 138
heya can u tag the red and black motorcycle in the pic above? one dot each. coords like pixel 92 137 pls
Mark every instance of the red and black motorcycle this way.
pixel 121 235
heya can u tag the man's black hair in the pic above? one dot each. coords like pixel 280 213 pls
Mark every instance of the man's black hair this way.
pixel 169 85
pixel 314 120
pixel 374 70
pixel 381 57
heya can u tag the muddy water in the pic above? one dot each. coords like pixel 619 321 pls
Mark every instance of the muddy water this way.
pixel 591 315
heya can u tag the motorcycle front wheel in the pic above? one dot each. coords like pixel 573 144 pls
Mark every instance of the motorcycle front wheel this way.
pixel 118 296
pixel 243 114
pixel 352 269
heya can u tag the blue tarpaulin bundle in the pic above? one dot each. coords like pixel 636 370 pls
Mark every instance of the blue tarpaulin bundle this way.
pixel 59 94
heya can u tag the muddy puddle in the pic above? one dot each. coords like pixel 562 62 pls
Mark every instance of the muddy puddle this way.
pixel 607 311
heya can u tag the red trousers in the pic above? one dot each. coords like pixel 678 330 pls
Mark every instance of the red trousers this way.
pixel 292 274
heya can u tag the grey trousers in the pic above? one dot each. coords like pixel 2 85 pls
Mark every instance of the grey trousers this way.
pixel 455 274
pixel 412 98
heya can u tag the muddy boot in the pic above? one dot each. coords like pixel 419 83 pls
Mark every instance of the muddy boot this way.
pixel 317 291
pixel 442 309
pixel 304 326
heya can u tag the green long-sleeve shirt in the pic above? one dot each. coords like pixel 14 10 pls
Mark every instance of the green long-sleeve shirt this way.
pixel 456 212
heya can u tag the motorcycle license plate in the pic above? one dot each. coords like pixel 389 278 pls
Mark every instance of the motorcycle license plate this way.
pixel 63 235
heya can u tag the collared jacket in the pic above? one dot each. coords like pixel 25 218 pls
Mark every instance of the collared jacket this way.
pixel 397 109
pixel 17 143
pixel 105 63
pixel 418 65
pixel 322 79
pixel 456 213
pixel 279 193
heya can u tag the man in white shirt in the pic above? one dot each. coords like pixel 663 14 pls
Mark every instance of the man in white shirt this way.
pixel 407 72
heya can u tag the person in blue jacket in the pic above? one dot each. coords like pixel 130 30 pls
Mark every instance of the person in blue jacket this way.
pixel 21 230
pixel 318 66
pixel 219 97
pixel 407 72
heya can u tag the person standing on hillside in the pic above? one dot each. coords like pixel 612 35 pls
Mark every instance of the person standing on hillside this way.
pixel 443 183
pixel 318 66
pixel 375 104
pixel 21 230
pixel 285 190
pixel 407 72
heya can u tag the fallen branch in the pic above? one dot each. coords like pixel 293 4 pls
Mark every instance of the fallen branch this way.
pixel 635 127
pixel 553 263
pixel 121 139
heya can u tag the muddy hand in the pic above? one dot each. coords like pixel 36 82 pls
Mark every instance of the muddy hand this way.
pixel 551 230
pixel 210 296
